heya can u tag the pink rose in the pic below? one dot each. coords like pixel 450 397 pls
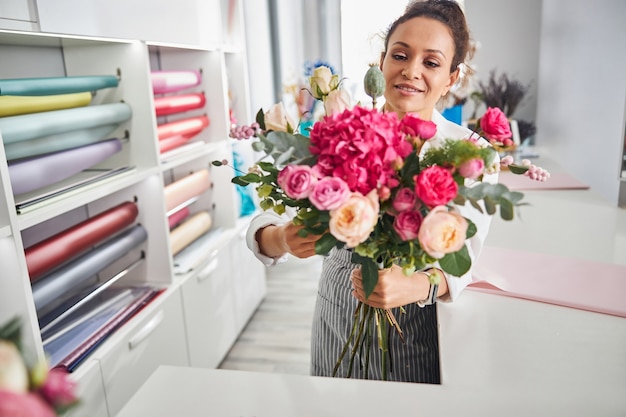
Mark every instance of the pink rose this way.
pixel 412 125
pixel 405 199
pixel 329 193
pixel 442 232
pixel 13 404
pixel 278 119
pixel 58 389
pixel 337 101
pixel 407 224
pixel 355 219
pixel 297 180
pixel 472 169
pixel 495 125
pixel 435 186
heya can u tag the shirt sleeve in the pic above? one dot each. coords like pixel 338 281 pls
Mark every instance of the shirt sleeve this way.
pixel 258 222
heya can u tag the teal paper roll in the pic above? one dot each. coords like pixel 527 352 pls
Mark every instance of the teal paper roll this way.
pixel 31 126
pixel 55 85
pixel 36 173
pixel 57 284
pixel 56 143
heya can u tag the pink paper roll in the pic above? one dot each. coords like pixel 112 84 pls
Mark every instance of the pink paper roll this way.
pixel 60 248
pixel 172 81
pixel 174 142
pixel 189 126
pixel 190 230
pixel 186 188
pixel 177 104
pixel 177 217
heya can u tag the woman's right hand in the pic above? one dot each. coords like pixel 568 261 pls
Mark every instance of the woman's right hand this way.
pixel 274 241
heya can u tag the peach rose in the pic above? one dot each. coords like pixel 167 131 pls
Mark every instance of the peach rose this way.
pixel 336 102
pixel 355 219
pixel 13 372
pixel 442 232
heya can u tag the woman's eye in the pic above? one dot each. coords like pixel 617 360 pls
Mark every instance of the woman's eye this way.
pixel 399 57
pixel 431 64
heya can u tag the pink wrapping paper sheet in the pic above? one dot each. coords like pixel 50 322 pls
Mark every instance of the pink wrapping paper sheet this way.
pixel 558 181
pixel 569 282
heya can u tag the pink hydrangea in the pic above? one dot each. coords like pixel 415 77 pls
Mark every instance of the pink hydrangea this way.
pixel 360 146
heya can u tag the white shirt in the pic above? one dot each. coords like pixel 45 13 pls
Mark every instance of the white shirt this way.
pixel 445 129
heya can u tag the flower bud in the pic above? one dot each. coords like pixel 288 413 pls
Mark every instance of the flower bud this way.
pixel 374 82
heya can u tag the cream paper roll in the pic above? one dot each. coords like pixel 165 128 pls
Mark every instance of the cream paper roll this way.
pixel 186 188
pixel 190 230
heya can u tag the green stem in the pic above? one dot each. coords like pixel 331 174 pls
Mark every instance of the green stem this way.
pixel 359 339
pixel 347 344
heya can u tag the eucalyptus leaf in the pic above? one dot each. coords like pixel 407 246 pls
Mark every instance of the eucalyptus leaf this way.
pixel 258 146
pixel 506 210
pixel 457 263
pixel 282 158
pixel 518 169
pixel 490 205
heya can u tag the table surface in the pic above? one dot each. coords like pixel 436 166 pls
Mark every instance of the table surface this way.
pixel 500 355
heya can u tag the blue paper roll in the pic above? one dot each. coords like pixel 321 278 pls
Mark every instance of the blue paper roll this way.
pixel 55 85
pixel 32 174
pixel 56 143
pixel 31 126
pixel 59 283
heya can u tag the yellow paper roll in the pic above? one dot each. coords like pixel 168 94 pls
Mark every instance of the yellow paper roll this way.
pixel 190 230
pixel 186 188
pixel 16 105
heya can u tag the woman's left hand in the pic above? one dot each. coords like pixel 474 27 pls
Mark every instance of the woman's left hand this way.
pixel 394 289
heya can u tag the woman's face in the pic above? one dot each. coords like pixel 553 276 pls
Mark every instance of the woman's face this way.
pixel 416 66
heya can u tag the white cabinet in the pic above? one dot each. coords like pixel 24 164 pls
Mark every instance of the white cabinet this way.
pixel 199 312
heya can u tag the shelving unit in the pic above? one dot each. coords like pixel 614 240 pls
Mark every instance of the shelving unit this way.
pixel 209 289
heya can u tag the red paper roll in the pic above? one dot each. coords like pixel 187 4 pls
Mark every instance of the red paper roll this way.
pixel 192 125
pixel 60 248
pixel 175 218
pixel 179 103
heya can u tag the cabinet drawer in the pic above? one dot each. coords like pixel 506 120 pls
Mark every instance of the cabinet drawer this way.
pixel 210 311
pixel 157 339
pixel 90 391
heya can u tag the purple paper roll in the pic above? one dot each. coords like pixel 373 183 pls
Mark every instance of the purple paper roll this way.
pixel 60 282
pixel 39 172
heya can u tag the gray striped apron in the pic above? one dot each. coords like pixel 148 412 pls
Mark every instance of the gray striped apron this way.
pixel 414 360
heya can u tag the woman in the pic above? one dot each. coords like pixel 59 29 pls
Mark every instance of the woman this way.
pixel 423 51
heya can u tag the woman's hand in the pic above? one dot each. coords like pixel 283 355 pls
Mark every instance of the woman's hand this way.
pixel 394 289
pixel 275 241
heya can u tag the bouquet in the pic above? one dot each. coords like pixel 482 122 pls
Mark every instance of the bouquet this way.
pixel 30 392
pixel 365 180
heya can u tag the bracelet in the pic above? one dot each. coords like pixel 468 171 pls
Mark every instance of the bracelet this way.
pixel 432 291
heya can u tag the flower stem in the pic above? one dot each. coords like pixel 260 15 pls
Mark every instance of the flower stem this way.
pixel 347 344
pixel 359 338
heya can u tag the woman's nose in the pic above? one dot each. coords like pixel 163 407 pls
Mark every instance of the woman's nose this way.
pixel 412 71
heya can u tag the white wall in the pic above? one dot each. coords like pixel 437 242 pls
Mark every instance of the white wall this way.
pixel 582 89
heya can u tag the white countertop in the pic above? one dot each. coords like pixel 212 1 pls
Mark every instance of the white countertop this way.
pixel 500 355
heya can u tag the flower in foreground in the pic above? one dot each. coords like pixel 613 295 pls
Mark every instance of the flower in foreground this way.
pixel 278 119
pixel 58 389
pixel 442 232
pixel 297 180
pixel 329 193
pixel 29 404
pixel 472 168
pixel 13 372
pixel 407 225
pixel 435 186
pixel 355 219
pixel 495 125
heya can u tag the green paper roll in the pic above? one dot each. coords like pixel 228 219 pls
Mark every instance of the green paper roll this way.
pixel 56 143
pixel 55 85
pixel 31 126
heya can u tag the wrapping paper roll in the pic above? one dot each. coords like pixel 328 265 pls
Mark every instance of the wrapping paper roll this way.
pixel 56 143
pixel 184 127
pixel 177 104
pixel 186 188
pixel 55 85
pixel 172 143
pixel 174 219
pixel 50 253
pixel 15 105
pixel 190 230
pixel 31 126
pixel 173 81
pixel 39 172
pixel 58 283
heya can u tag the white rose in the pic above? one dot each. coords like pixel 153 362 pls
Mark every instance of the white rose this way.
pixel 323 82
pixel 278 120
pixel 337 101
pixel 13 372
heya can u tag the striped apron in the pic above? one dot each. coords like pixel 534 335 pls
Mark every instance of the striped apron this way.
pixel 414 360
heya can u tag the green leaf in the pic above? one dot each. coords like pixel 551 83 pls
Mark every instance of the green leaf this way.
pixel 325 243
pixel 518 169
pixel 490 205
pixel 258 146
pixel 471 228
pixel 260 119
pixel 239 181
pixel 266 204
pixel 369 271
pixel 457 263
pixel 506 210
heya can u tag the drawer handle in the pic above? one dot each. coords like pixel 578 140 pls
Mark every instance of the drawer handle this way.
pixel 207 270
pixel 146 330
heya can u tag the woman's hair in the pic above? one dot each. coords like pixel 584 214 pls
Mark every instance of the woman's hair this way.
pixel 447 12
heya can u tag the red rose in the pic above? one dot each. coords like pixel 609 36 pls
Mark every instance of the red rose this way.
pixel 412 125
pixel 435 186
pixel 495 125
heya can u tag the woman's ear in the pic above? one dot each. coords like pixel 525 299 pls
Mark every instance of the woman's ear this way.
pixel 382 58
pixel 454 76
